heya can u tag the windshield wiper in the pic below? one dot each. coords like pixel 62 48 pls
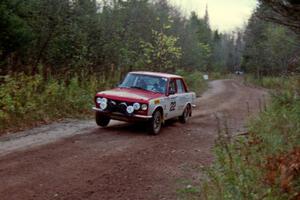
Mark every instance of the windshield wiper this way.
pixel 137 87
pixel 140 88
pixel 121 86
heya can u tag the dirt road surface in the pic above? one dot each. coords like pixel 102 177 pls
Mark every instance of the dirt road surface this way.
pixel 76 160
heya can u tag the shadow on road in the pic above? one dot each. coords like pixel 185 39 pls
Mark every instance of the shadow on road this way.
pixel 135 128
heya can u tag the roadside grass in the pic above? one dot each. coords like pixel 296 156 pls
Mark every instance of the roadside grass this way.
pixel 29 100
pixel 189 193
pixel 265 162
pixel 194 80
pixel 219 75
pixel 270 82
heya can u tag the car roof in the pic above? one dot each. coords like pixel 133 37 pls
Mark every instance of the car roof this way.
pixel 156 74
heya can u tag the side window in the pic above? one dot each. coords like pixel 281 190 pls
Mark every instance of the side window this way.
pixel 172 86
pixel 180 86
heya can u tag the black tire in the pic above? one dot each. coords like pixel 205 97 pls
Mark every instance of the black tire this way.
pixel 102 120
pixel 155 123
pixel 185 115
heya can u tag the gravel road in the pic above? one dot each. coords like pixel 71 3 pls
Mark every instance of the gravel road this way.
pixel 76 160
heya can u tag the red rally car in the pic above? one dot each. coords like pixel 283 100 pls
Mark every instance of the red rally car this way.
pixel 146 96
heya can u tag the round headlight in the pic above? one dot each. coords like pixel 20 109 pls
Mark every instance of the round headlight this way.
pixel 98 100
pixel 130 109
pixel 103 105
pixel 136 106
pixel 144 107
pixel 104 100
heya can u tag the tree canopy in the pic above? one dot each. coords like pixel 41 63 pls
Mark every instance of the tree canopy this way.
pixel 62 36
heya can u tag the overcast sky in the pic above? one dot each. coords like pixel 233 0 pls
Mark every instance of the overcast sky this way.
pixel 225 15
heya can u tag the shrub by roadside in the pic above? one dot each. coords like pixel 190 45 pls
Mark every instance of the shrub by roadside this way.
pixel 29 100
pixel 26 100
pixel 265 163
pixel 274 83
pixel 194 80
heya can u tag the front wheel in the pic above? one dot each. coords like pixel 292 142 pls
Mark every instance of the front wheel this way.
pixel 102 120
pixel 155 123
pixel 185 115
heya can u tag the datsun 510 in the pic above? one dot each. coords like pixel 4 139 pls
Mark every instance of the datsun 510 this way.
pixel 146 97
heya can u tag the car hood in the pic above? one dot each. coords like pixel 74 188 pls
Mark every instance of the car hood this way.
pixel 129 94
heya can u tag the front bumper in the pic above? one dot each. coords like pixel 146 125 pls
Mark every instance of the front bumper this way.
pixel 122 117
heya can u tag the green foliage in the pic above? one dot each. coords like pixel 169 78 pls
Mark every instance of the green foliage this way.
pixel 71 36
pixel 194 80
pixel 196 44
pixel 272 82
pixel 163 54
pixel 15 33
pixel 248 167
pixel 190 193
pixel 30 99
pixel 215 75
pixel 269 48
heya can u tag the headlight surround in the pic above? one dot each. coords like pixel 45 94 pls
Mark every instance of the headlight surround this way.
pixel 103 105
pixel 104 100
pixel 130 109
pixel 144 107
pixel 100 100
pixel 136 106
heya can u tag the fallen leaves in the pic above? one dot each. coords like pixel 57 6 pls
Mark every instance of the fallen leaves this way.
pixel 284 170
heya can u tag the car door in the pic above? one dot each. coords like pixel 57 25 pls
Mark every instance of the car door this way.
pixel 182 96
pixel 171 107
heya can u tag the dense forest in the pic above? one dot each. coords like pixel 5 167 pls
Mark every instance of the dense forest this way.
pixel 264 161
pixel 270 48
pixel 86 45
pixel 63 37
pixel 66 37
pixel 64 51
pixel 55 54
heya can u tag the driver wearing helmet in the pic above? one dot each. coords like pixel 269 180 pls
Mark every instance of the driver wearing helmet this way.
pixel 142 84
pixel 161 86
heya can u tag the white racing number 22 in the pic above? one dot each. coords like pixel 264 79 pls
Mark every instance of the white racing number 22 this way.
pixel 172 105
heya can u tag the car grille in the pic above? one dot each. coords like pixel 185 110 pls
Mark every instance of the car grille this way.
pixel 118 106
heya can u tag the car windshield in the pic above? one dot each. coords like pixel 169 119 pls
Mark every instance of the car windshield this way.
pixel 145 82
